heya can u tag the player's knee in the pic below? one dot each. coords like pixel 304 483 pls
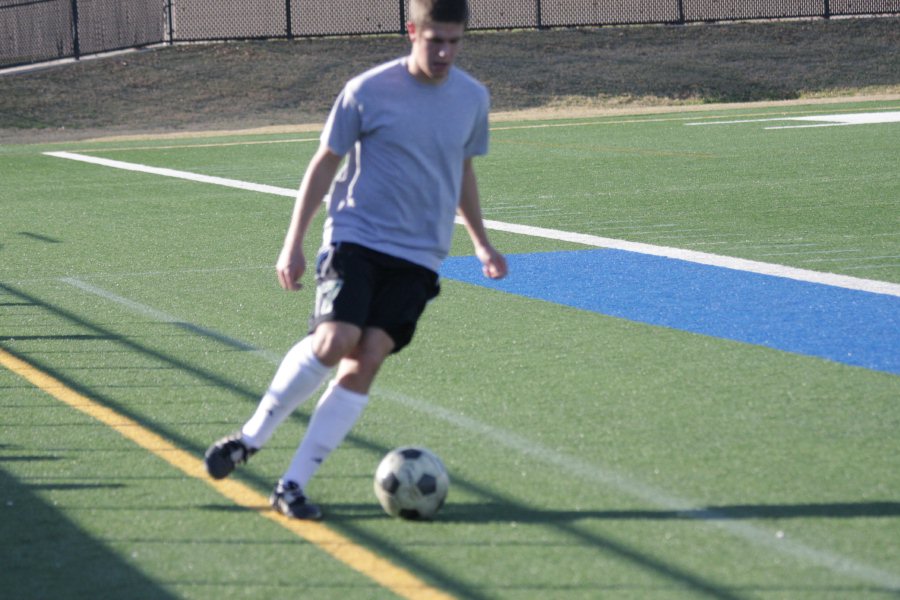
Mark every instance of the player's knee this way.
pixel 358 374
pixel 368 361
pixel 358 370
pixel 334 341
pixel 357 381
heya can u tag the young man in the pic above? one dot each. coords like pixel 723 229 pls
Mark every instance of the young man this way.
pixel 409 128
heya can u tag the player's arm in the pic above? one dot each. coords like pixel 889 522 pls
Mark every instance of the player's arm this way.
pixel 316 183
pixel 493 263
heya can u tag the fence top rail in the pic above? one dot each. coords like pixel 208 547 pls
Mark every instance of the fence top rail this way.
pixel 74 31
pixel 26 3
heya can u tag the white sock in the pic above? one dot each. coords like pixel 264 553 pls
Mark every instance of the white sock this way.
pixel 298 376
pixel 337 412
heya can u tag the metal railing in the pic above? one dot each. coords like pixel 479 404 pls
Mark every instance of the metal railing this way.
pixel 34 31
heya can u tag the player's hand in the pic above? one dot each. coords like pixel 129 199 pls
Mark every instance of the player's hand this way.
pixel 493 264
pixel 290 267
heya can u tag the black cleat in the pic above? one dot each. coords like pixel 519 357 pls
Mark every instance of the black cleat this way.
pixel 289 500
pixel 226 454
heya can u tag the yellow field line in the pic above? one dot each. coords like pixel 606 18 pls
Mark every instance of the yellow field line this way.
pixel 392 577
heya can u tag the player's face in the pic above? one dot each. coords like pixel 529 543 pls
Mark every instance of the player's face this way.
pixel 434 48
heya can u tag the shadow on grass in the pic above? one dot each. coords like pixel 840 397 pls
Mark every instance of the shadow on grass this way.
pixel 345 518
pixel 45 555
pixel 500 512
pixel 443 579
pixel 485 513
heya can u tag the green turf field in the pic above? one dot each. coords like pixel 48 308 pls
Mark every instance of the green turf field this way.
pixel 590 456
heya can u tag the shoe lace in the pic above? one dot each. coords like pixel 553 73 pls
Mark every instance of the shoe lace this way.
pixel 239 452
pixel 292 493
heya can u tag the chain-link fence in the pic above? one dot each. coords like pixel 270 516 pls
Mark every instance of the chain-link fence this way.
pixel 42 30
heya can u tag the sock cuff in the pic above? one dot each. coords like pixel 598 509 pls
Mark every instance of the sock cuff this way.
pixel 309 357
pixel 337 393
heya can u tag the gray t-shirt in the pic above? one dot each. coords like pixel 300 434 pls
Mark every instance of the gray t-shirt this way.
pixel 406 142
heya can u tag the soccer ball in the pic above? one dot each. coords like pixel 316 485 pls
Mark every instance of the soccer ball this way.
pixel 411 483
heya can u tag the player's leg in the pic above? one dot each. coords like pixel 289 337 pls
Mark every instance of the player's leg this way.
pixel 298 377
pixel 341 405
pixel 399 303
pixel 302 371
pixel 342 286
pixel 337 411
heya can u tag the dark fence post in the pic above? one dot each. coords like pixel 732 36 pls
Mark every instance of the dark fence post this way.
pixel 537 8
pixel 76 45
pixel 170 21
pixel 827 14
pixel 402 28
pixel 681 11
pixel 287 14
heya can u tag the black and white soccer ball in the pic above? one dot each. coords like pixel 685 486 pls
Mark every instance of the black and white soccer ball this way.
pixel 411 483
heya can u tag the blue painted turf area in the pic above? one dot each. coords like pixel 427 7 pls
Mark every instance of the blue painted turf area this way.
pixel 851 327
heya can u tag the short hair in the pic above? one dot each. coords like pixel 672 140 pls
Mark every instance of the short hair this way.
pixel 438 11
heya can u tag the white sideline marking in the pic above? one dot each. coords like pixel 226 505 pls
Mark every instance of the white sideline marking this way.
pixel 127 166
pixel 703 258
pixel 571 464
pixel 162 317
pixel 869 118
pixel 872 118
pixel 727 262
pixel 653 496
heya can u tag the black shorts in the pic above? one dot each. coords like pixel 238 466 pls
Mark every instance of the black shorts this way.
pixel 371 289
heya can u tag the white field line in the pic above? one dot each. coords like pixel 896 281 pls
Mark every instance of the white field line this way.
pixel 209 145
pixel 811 126
pixel 829 120
pixel 736 122
pixel 774 540
pixel 728 262
pixel 127 166
pixel 703 258
pixel 162 317
pixel 586 471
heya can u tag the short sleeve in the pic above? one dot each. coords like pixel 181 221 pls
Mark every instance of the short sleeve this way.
pixel 477 144
pixel 342 129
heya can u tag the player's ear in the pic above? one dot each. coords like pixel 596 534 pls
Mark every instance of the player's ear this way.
pixel 411 31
